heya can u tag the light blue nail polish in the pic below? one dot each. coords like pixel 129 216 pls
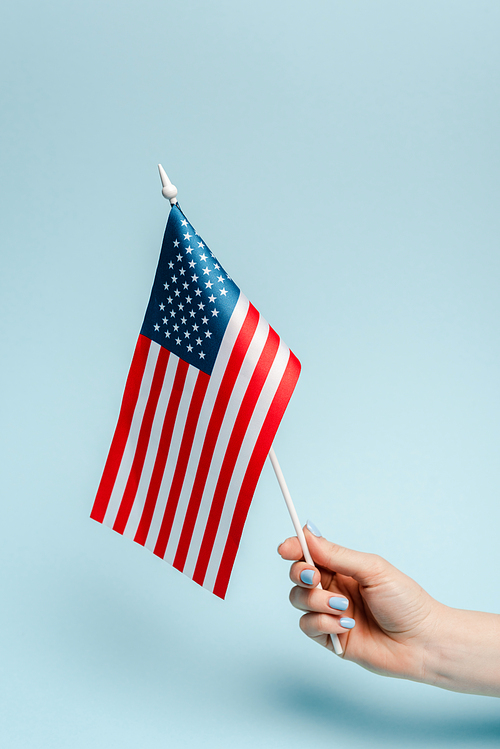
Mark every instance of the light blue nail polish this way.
pixel 307 576
pixel 313 528
pixel 338 603
pixel 347 623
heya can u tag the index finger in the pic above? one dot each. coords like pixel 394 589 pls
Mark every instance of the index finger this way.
pixel 291 549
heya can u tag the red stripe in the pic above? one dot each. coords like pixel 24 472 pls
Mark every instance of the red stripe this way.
pixel 163 450
pixel 245 413
pixel 225 390
pixel 182 460
pixel 141 448
pixel 129 401
pixel 254 469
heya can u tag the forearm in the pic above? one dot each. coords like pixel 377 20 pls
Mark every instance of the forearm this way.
pixel 464 654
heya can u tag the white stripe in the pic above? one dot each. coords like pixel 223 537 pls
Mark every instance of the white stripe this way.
pixel 254 428
pixel 240 387
pixel 154 440
pixel 234 326
pixel 129 451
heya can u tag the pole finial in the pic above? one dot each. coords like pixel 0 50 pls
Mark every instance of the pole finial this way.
pixel 169 190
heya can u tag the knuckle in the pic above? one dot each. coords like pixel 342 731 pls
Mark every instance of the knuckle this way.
pixel 324 622
pixel 293 595
pixel 336 553
pixel 309 598
pixel 294 573
pixel 335 548
pixel 312 623
pixel 377 564
pixel 301 598
pixel 304 623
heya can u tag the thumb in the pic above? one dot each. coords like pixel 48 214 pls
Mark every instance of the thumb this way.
pixel 365 568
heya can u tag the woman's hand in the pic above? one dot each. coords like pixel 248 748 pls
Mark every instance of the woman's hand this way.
pixel 387 623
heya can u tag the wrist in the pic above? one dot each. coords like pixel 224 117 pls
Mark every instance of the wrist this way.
pixel 462 652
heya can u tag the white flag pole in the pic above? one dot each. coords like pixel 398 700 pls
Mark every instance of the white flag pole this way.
pixel 337 647
pixel 169 191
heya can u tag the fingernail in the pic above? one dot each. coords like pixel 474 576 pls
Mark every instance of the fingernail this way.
pixel 338 603
pixel 347 623
pixel 313 528
pixel 307 576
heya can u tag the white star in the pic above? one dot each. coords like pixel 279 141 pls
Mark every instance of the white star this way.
pixel 183 320
pixel 176 328
pixel 201 305
pixel 189 348
pixel 200 244
pixel 187 333
pixel 165 320
pixel 203 258
pixel 169 300
pixel 185 286
pixel 182 271
pixel 220 279
pixel 188 300
pixel 198 341
pixel 215 312
pixel 165 285
pixel 157 327
pixel 162 307
pixel 188 250
pixel 194 278
pixel 181 306
pixel 217 266
pixel 197 292
pixel 184 222
pixel 170 265
pixel 211 298
pixel 223 292
pixel 179 257
pixel 172 313
pixel 208 334
pixel 204 320
pixel 174 279
pixel 187 235
pixel 177 292
pixel 176 242
pixel 178 341
pixel 202 355
pixel 206 271
pixel 195 327
pixel 192 263
pixel 192 312
pixel 167 334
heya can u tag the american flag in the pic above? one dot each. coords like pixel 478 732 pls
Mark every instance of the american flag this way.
pixel 209 383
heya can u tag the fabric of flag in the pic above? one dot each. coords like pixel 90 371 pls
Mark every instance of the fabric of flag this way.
pixel 209 383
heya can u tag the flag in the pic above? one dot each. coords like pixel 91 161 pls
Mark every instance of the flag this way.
pixel 208 385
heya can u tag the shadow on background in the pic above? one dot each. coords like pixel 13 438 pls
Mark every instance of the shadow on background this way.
pixel 332 710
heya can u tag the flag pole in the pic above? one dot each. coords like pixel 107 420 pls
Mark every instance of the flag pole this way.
pixel 169 191
pixel 337 647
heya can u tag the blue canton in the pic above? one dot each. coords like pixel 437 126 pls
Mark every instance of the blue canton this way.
pixel 192 297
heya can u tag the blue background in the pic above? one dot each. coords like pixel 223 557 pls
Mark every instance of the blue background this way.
pixel 354 149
